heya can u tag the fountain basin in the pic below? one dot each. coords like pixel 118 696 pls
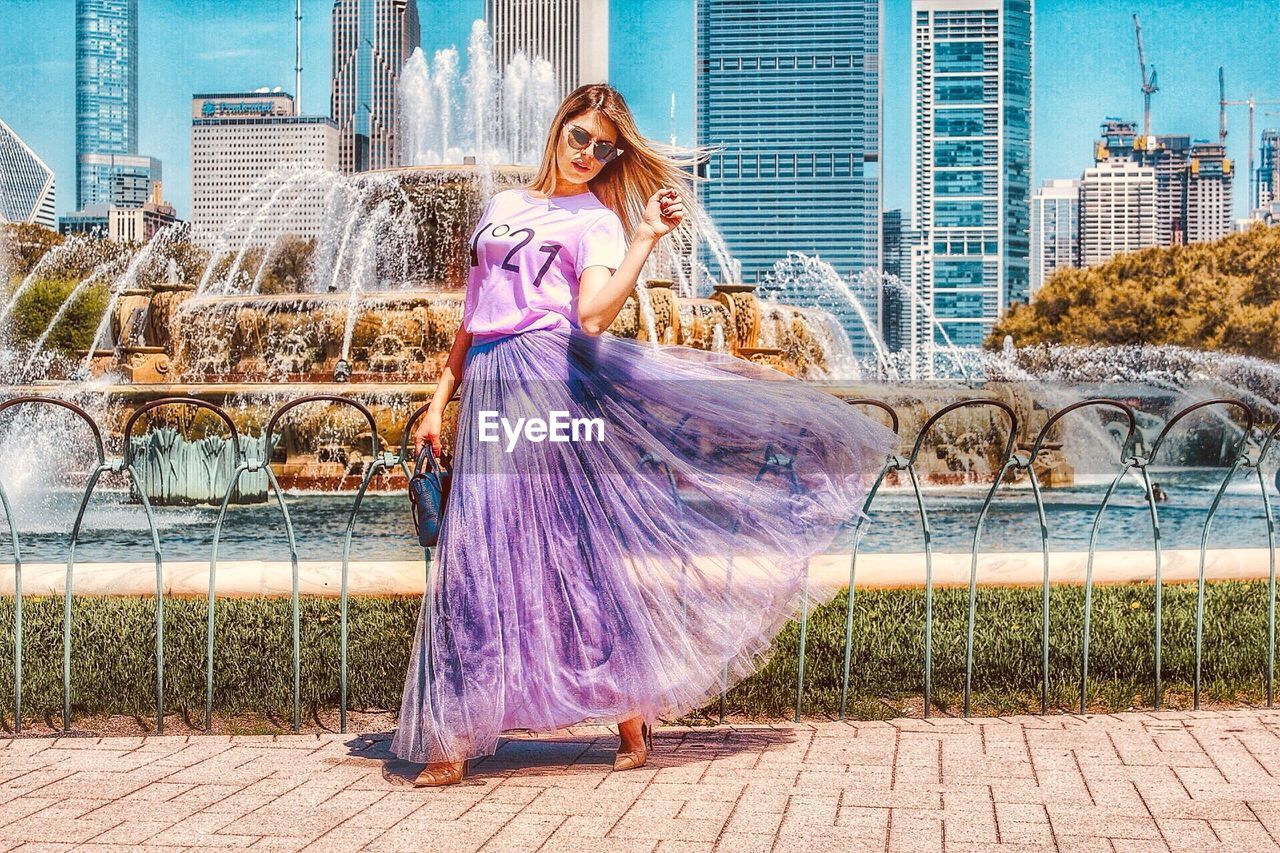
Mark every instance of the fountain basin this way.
pixel 252 578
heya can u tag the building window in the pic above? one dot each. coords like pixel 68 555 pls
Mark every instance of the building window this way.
pixel 957 305
pixel 959 214
pixel 957 183
pixel 958 56
pixel 967 122
pixel 959 90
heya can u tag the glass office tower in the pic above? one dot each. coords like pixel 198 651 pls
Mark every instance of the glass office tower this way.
pixel 792 92
pixel 371 40
pixel 106 91
pixel 971 158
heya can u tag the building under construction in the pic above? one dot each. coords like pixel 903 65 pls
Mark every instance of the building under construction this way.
pixel 1193 180
pixel 1266 201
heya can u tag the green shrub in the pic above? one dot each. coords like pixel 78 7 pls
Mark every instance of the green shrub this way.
pixel 40 303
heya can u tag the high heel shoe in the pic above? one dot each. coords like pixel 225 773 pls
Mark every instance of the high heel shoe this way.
pixel 636 758
pixel 442 773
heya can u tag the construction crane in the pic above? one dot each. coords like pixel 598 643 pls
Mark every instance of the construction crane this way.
pixel 1149 86
pixel 1252 103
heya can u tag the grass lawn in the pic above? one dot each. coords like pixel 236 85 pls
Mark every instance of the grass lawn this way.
pixel 113 669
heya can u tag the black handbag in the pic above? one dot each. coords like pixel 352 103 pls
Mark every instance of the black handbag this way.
pixel 428 491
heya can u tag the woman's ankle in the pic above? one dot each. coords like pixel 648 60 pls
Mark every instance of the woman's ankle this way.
pixel 630 732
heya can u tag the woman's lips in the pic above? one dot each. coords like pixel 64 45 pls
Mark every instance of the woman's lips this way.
pixel 579 167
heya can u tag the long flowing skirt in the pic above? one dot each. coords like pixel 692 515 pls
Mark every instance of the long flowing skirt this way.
pixel 639 564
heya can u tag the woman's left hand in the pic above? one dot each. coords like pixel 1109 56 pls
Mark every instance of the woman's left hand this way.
pixel 664 212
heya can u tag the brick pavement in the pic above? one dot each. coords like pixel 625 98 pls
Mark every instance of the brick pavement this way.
pixel 1173 781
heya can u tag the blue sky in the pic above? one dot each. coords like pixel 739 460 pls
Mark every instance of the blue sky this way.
pixel 1085 66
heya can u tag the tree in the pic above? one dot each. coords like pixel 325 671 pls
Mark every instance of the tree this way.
pixel 288 265
pixel 1221 296
pixel 25 244
pixel 245 266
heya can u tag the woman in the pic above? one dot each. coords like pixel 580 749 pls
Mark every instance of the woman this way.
pixel 637 565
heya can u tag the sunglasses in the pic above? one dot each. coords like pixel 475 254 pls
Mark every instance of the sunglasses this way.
pixel 605 152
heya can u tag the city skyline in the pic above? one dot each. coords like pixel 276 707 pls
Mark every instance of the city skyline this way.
pixel 1085 69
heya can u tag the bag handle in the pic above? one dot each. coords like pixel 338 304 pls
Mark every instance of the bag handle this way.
pixel 426 451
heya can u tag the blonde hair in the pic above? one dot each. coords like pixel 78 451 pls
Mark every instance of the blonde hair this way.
pixel 625 185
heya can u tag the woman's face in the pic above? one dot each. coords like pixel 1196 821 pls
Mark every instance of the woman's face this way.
pixel 575 166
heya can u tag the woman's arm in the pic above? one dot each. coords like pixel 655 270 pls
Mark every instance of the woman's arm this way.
pixel 451 375
pixel 601 295
pixel 429 428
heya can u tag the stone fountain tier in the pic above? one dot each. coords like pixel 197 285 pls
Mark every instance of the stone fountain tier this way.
pixel 383 299
pixel 436 207
pixel 169 333
pixel 385 337
pixel 252 353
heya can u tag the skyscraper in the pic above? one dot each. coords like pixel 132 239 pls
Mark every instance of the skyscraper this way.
pixel 1117 210
pixel 120 180
pixel 1055 230
pixel 573 35
pixel 106 91
pixel 1193 180
pixel 1210 176
pixel 901 243
pixel 792 92
pixel 244 146
pixel 371 41
pixel 971 159
pixel 26 183
pixel 1267 181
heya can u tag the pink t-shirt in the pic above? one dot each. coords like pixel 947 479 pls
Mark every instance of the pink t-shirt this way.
pixel 526 256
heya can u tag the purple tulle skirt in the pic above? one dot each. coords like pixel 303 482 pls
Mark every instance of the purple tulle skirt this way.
pixel 624 572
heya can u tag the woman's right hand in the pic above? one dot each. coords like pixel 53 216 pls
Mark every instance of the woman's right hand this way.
pixel 428 432
pixel 664 211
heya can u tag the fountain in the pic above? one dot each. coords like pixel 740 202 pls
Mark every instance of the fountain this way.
pixel 373 311
pixel 451 117
pixel 368 309
pixel 251 331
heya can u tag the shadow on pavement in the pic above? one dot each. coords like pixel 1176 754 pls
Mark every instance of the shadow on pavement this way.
pixel 575 754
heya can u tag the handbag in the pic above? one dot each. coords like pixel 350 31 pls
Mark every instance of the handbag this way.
pixel 428 491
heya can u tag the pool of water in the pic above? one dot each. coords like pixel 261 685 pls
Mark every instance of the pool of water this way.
pixel 116 530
